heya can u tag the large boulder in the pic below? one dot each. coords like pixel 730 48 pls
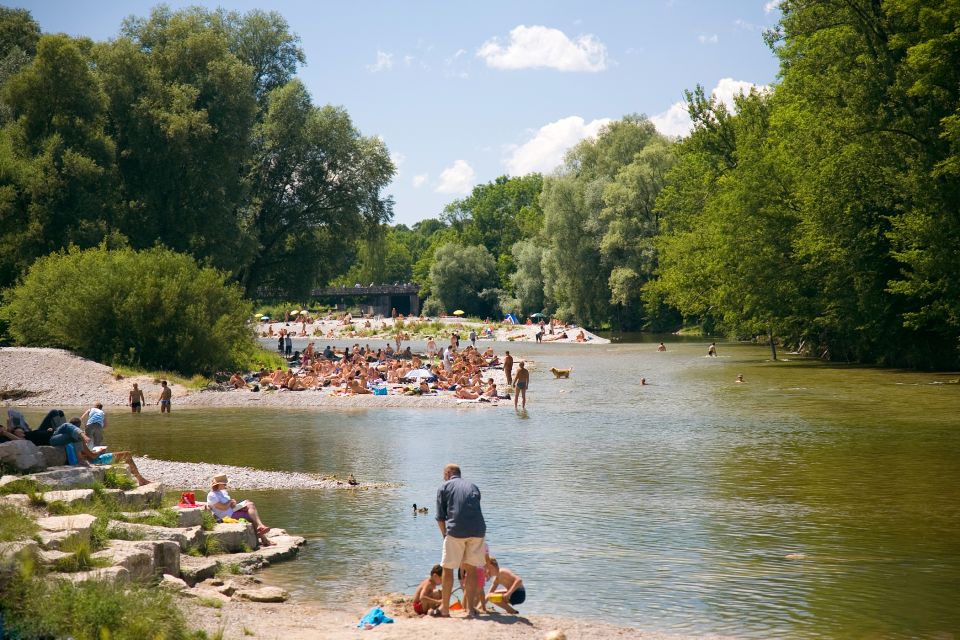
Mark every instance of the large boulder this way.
pixel 53 456
pixel 136 558
pixel 184 538
pixel 284 547
pixel 149 495
pixel 69 477
pixel 69 496
pixel 112 575
pixel 234 536
pixel 194 570
pixel 57 531
pixel 189 516
pixel 22 455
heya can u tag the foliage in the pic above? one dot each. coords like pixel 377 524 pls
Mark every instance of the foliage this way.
pixel 116 478
pixel 22 485
pixel 15 524
pixel 153 308
pixel 462 278
pixel 34 607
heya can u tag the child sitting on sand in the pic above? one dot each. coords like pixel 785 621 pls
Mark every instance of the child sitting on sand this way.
pixel 427 598
pixel 512 591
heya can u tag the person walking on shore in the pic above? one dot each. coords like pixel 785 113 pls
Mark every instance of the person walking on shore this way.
pixel 166 393
pixel 508 368
pixel 94 420
pixel 135 399
pixel 523 381
pixel 462 526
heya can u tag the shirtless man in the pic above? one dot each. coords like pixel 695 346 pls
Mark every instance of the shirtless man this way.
pixel 166 393
pixel 662 347
pixel 431 347
pixel 136 399
pixel 522 382
pixel 508 367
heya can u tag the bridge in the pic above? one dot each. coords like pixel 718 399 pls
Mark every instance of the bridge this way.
pixel 374 299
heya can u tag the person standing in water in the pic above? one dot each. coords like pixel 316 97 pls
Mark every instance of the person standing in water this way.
pixel 136 399
pixel 166 393
pixel 508 368
pixel 521 383
pixel 712 350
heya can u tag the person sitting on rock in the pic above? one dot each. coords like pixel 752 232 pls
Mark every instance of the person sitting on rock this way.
pixel 223 506
pixel 71 433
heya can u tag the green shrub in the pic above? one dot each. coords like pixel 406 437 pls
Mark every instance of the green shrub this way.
pixel 208 520
pixel 22 485
pixel 114 478
pixel 15 524
pixel 81 558
pixel 152 309
pixel 34 607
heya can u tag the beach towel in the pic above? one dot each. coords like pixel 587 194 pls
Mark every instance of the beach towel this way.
pixel 374 617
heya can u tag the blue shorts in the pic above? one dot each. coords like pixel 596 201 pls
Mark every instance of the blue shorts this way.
pixel 518 596
pixel 521 385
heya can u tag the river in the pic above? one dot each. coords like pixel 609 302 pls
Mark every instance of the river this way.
pixel 813 500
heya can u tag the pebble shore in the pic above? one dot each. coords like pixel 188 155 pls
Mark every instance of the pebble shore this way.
pixel 195 476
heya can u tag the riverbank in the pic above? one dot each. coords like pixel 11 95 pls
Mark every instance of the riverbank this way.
pixel 37 377
pixel 304 621
pixel 192 475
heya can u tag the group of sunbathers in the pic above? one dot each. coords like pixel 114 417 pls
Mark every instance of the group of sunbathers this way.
pixel 361 370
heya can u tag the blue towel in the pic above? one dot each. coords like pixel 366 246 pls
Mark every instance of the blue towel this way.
pixel 374 617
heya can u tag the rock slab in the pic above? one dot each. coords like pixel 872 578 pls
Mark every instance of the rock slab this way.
pixel 22 455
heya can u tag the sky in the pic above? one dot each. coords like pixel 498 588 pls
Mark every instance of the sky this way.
pixel 462 93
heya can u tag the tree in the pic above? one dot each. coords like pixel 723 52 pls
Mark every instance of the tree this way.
pixel 315 185
pixel 464 278
pixel 57 177
pixel 154 308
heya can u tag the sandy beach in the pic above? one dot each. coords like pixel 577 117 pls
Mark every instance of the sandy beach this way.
pixel 305 621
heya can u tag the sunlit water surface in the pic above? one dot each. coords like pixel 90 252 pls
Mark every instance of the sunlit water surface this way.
pixel 673 506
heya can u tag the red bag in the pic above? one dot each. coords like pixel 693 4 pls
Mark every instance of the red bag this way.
pixel 188 499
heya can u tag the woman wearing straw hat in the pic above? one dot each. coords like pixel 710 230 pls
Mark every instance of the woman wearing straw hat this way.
pixel 223 506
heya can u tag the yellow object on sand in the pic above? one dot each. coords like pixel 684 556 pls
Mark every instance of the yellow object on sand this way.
pixel 230 520
pixel 495 597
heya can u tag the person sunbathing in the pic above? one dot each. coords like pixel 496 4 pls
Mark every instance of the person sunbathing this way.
pixel 581 337
pixel 237 381
pixel 466 393
pixel 491 391
pixel 358 387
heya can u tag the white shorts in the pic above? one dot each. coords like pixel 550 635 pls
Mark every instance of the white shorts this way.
pixel 457 551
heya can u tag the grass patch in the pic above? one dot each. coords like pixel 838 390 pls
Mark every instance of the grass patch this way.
pixel 114 478
pixel 15 524
pixel 208 521
pixel 213 603
pixel 121 533
pixel 194 383
pixel 81 558
pixel 34 607
pixel 229 569
pixel 208 546
pixel 162 518
pixel 22 485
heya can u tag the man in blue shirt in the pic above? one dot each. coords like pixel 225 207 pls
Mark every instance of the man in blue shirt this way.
pixel 463 528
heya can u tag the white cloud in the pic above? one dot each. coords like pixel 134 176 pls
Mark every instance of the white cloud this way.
pixel 457 178
pixel 770 6
pixel 384 62
pixel 675 121
pixel 539 47
pixel 740 23
pixel 420 180
pixel 713 39
pixel 544 151
pixel 408 60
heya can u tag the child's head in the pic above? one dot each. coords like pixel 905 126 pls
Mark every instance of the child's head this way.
pixel 437 570
pixel 492 566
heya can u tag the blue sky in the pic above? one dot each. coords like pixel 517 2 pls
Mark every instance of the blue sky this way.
pixel 464 92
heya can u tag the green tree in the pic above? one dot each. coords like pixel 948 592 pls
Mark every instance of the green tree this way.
pixel 464 278
pixel 57 177
pixel 154 308
pixel 314 185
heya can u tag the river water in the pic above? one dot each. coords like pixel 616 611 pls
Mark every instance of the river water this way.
pixel 812 501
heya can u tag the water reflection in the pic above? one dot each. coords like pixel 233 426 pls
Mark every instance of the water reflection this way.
pixel 673 506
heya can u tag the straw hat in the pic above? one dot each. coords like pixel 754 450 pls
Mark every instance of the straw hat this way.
pixel 220 479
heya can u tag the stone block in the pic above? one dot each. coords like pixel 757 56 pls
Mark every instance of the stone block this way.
pixel 208 594
pixel 283 548
pixel 189 517
pixel 184 538
pixel 69 496
pixel 53 456
pixel 49 556
pixel 263 594
pixel 135 557
pixel 57 531
pixel 69 477
pixel 16 499
pixel 22 455
pixel 194 570
pixel 149 495
pixel 234 536
pixel 112 575
pixel 172 583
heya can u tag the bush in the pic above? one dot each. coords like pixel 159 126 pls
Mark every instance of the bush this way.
pixel 154 309
pixel 114 478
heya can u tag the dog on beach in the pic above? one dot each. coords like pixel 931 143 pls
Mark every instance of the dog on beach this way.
pixel 560 373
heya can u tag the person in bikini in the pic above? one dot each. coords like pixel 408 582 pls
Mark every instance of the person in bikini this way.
pixel 136 399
